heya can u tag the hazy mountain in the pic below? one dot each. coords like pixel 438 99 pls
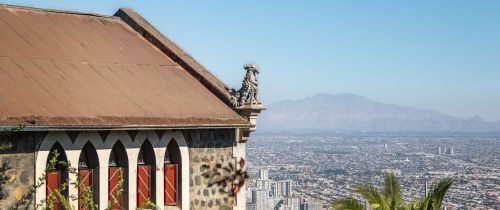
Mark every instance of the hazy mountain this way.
pixel 350 112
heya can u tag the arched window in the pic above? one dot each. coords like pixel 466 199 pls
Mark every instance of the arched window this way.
pixel 172 173
pixel 56 175
pixel 146 175
pixel 88 172
pixel 117 177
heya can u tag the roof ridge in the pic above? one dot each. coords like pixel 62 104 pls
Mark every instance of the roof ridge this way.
pixel 60 11
pixel 176 53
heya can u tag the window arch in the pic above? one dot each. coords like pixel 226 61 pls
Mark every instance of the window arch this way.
pixel 146 175
pixel 88 174
pixel 117 177
pixel 56 175
pixel 172 175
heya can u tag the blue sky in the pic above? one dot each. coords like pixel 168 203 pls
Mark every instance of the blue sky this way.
pixel 442 55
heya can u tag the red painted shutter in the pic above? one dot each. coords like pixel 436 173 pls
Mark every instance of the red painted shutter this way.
pixel 170 184
pixel 53 182
pixel 114 196
pixel 143 184
pixel 85 176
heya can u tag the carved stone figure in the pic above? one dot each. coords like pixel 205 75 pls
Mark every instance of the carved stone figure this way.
pixel 249 91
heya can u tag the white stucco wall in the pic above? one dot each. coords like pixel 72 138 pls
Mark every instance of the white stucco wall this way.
pixel 103 148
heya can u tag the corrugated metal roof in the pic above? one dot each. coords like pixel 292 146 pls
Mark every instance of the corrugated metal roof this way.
pixel 66 69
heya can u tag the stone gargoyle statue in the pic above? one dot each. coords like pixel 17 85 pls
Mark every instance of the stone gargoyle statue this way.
pixel 249 91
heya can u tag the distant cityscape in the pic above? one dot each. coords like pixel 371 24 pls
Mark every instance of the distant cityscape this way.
pixel 270 194
pixel 304 172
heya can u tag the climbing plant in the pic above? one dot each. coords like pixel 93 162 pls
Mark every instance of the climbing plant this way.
pixel 229 178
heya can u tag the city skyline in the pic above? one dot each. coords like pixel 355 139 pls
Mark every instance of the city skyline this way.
pixel 427 54
pixel 327 167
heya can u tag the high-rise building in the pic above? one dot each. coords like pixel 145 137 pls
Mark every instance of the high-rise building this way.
pixel 274 203
pixel 311 205
pixel 263 184
pixel 263 174
pixel 283 188
pixel 260 199
pixel 293 203
pixel 449 151
pixel 439 151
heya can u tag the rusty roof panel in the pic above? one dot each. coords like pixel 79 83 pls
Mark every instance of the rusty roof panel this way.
pixel 72 70
pixel 71 37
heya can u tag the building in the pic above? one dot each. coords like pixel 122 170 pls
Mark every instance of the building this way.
pixel 263 184
pixel 251 206
pixel 311 205
pixel 118 101
pixel 293 203
pixel 264 174
pixel 261 199
pixel 283 188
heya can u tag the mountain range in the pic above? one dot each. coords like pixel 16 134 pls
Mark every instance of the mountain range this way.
pixel 351 112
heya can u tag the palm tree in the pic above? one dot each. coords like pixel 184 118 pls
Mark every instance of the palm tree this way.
pixel 390 197
pixel 434 198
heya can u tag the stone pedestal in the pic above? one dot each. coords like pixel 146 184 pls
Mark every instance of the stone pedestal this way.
pixel 251 112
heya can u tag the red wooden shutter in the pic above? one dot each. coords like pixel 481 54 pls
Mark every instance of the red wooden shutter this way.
pixel 53 182
pixel 143 184
pixel 85 176
pixel 170 184
pixel 114 196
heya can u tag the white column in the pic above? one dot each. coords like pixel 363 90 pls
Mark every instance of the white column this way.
pixel 103 177
pixel 133 154
pixel 159 154
pixel 73 158
pixel 185 177
pixel 40 171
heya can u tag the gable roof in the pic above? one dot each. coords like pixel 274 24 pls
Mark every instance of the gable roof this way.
pixel 70 70
pixel 155 37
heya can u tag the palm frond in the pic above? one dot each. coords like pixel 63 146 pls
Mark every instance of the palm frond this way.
pixel 439 192
pixel 414 205
pixel 373 196
pixel 434 199
pixel 349 203
pixel 392 191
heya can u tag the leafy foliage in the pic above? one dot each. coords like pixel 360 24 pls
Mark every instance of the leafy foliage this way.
pixel 391 197
pixel 119 189
pixel 5 145
pixel 7 134
pixel 148 204
pixel 57 196
pixel 87 198
pixel 3 177
pixel 224 176
pixel 435 197
pixel 230 176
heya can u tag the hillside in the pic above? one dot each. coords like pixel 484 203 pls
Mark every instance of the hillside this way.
pixel 350 112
